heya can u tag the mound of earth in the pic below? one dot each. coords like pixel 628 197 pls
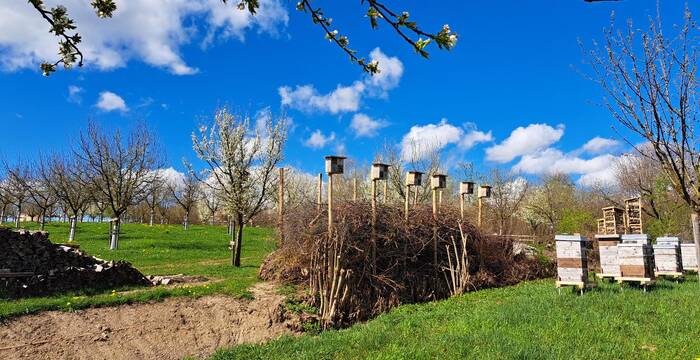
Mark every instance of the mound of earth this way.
pixel 30 265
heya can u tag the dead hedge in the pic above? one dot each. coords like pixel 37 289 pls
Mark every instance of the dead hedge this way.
pixel 403 270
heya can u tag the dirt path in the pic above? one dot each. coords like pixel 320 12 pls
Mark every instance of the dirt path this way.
pixel 171 329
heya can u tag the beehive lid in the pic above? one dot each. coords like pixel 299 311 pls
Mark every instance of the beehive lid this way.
pixel 668 240
pixel 608 236
pixel 575 237
pixel 635 238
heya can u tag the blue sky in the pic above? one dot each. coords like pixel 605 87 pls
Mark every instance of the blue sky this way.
pixel 516 65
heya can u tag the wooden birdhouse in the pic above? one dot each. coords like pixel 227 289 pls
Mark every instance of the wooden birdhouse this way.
pixel 466 188
pixel 438 181
pixel 484 191
pixel 414 178
pixel 335 165
pixel 380 171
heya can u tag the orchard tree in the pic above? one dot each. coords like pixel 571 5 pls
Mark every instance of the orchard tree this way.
pixel 507 194
pixel 373 11
pixel 120 169
pixel 40 192
pixel 186 192
pixel 16 187
pixel 242 162
pixel 155 193
pixel 651 87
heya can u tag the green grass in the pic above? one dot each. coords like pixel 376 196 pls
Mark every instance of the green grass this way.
pixel 162 250
pixel 527 321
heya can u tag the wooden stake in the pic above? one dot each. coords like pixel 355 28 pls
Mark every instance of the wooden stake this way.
pixel 461 206
pixel 440 199
pixel 373 238
pixel 479 221
pixel 386 192
pixel 330 207
pixel 405 205
pixel 280 214
pixel 435 258
pixel 319 191
pixel 354 189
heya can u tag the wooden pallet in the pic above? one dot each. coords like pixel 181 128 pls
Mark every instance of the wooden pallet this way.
pixel 607 276
pixel 672 274
pixel 643 282
pixel 580 285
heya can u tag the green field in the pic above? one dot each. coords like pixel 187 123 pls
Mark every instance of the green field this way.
pixel 527 321
pixel 162 250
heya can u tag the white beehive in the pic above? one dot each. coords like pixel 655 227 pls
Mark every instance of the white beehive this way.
pixel 668 259
pixel 690 257
pixel 636 239
pixel 335 165
pixel 438 181
pixel 484 191
pixel 636 260
pixel 414 178
pixel 380 171
pixel 607 249
pixel 572 260
pixel 466 188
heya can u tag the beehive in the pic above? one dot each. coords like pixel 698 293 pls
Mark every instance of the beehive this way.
pixel 613 220
pixel 484 191
pixel 572 263
pixel 690 257
pixel 636 260
pixel 466 188
pixel 414 178
pixel 667 256
pixel 380 171
pixel 438 181
pixel 335 165
pixel 607 249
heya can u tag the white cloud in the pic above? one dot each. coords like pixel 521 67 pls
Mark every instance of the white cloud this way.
pixel 598 145
pixel 318 140
pixel 524 141
pixel 145 30
pixel 110 101
pixel 172 177
pixel 550 161
pixel 421 140
pixel 74 94
pixel 346 98
pixel 365 126
pixel 474 137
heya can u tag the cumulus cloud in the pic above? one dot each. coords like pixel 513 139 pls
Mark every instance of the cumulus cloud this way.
pixel 365 126
pixel 599 144
pixel 550 161
pixel 110 101
pixel 346 98
pixel 144 30
pixel 318 140
pixel 171 176
pixel 74 94
pixel 421 140
pixel 524 141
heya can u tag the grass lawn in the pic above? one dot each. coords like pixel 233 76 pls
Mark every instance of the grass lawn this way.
pixel 527 321
pixel 163 250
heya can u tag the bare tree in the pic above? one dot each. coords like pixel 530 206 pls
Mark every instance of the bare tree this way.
pixel 650 82
pixel 242 160
pixel 507 194
pixel 4 198
pixel 62 176
pixel 211 200
pixel 155 193
pixel 39 189
pixel 16 188
pixel 121 169
pixel 186 193
pixel 548 201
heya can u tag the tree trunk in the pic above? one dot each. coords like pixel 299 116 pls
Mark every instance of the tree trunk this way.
pixel 239 241
pixel 152 217
pixel 232 242
pixel 187 220
pixel 71 235
pixel 19 216
pixel 42 224
pixel 114 243
pixel 211 219
pixel 2 214
pixel 695 220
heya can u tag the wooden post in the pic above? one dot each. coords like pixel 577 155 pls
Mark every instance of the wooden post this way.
pixel 415 196
pixel 405 205
pixel 479 221
pixel 435 247
pixel 280 214
pixel 373 235
pixel 386 190
pixel 440 199
pixel 319 190
pixel 330 207
pixel 461 206
pixel 354 189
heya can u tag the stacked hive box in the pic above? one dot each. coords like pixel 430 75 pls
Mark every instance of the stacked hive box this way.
pixel 613 220
pixel 636 256
pixel 667 256
pixel 633 214
pixel 572 264
pixel 690 257
pixel 609 263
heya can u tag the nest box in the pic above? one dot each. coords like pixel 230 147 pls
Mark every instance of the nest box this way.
pixel 414 178
pixel 438 181
pixel 380 171
pixel 335 165
pixel 466 188
pixel 484 191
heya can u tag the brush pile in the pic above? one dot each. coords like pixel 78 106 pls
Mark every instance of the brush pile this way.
pixel 30 265
pixel 354 275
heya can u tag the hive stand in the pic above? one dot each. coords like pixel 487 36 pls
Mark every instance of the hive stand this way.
pixel 572 262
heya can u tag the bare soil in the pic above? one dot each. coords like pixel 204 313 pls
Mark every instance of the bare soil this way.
pixel 171 329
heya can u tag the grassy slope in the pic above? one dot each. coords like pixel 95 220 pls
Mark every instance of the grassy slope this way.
pixel 163 250
pixel 527 321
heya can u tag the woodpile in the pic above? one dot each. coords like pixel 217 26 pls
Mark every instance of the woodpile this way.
pixel 572 260
pixel 607 249
pixel 690 257
pixel 667 256
pixel 30 265
pixel 636 256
